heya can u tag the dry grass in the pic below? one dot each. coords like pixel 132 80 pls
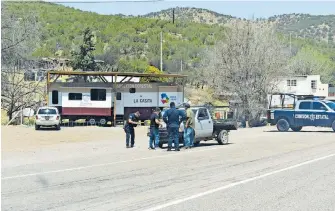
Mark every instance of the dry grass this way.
pixel 201 96
pixel 4 117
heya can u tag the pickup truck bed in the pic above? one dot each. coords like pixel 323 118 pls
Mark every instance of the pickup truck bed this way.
pixel 205 129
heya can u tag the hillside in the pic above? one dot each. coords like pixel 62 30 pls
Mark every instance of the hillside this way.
pixel 129 43
pixel 320 27
pixel 183 14
pixel 317 27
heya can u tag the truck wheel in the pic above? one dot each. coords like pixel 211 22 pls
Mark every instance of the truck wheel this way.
pixel 160 144
pixel 333 126
pixel 283 125
pixel 196 144
pixel 223 137
pixel 296 129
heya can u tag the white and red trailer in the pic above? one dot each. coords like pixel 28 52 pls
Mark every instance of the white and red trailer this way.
pixel 111 96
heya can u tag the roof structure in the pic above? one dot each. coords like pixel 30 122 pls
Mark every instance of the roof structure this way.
pixel 117 74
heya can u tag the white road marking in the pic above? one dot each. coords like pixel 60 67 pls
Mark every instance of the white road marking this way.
pixel 179 201
pixel 106 164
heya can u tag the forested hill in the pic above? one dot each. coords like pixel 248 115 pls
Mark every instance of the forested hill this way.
pixel 317 27
pixel 131 43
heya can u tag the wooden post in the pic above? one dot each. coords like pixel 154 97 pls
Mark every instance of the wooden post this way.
pixel 115 92
pixel 48 85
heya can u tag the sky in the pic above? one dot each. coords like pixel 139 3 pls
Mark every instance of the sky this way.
pixel 242 9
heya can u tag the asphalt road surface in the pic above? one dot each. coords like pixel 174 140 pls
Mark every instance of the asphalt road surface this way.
pixel 260 170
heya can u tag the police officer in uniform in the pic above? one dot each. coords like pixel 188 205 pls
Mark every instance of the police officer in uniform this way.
pixel 173 118
pixel 132 122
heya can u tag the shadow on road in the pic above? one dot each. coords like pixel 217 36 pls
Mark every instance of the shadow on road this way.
pixel 200 145
pixel 48 129
pixel 76 124
pixel 306 131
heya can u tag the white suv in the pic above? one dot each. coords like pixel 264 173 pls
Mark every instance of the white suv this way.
pixel 47 117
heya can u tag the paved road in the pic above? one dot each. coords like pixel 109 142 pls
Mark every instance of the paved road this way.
pixel 260 170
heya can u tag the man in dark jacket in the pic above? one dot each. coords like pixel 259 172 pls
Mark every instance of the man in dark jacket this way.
pixel 173 118
pixel 132 122
pixel 154 129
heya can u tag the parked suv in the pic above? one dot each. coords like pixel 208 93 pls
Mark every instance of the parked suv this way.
pixel 47 117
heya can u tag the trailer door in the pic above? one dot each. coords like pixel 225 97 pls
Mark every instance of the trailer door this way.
pixel 119 103
pixel 168 94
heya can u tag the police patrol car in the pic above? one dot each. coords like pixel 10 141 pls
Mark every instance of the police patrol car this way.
pixel 318 113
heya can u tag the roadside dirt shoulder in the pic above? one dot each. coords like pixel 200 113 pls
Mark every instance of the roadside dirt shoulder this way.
pixel 20 138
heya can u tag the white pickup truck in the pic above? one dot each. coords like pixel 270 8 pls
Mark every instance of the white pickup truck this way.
pixel 205 128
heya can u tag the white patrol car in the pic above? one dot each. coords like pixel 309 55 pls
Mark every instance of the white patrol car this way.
pixel 47 117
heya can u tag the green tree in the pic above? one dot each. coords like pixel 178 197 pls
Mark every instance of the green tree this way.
pixel 83 59
pixel 154 71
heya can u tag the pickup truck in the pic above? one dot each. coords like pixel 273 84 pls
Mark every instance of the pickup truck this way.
pixel 206 128
pixel 318 113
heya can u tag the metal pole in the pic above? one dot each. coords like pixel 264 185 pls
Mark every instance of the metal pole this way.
pixel 290 44
pixel 181 65
pixel 161 51
pixel 21 115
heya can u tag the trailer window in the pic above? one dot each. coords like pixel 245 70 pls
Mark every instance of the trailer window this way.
pixel 75 96
pixel 132 90
pixel 305 105
pixel 118 96
pixel 98 94
pixel 54 97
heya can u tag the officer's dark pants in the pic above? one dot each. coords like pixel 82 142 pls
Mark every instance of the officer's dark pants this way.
pixel 173 136
pixel 130 134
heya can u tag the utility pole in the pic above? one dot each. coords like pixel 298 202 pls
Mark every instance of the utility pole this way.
pixel 290 44
pixel 181 65
pixel 173 16
pixel 161 50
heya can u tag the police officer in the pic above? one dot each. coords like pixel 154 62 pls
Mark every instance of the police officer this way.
pixel 154 128
pixel 189 127
pixel 173 118
pixel 132 122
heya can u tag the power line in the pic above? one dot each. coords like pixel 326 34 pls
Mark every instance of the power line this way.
pixel 103 1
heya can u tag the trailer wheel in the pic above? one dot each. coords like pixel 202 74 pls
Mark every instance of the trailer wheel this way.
pixel 296 129
pixel 103 121
pixel 283 125
pixel 223 137
pixel 92 121
pixel 333 126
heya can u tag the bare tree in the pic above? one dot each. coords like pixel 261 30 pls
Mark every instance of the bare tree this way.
pixel 18 32
pixel 19 37
pixel 247 64
pixel 17 93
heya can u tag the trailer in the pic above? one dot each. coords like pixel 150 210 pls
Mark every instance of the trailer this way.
pixel 111 96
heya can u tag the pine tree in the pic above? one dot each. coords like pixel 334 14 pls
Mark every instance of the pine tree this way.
pixel 83 59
